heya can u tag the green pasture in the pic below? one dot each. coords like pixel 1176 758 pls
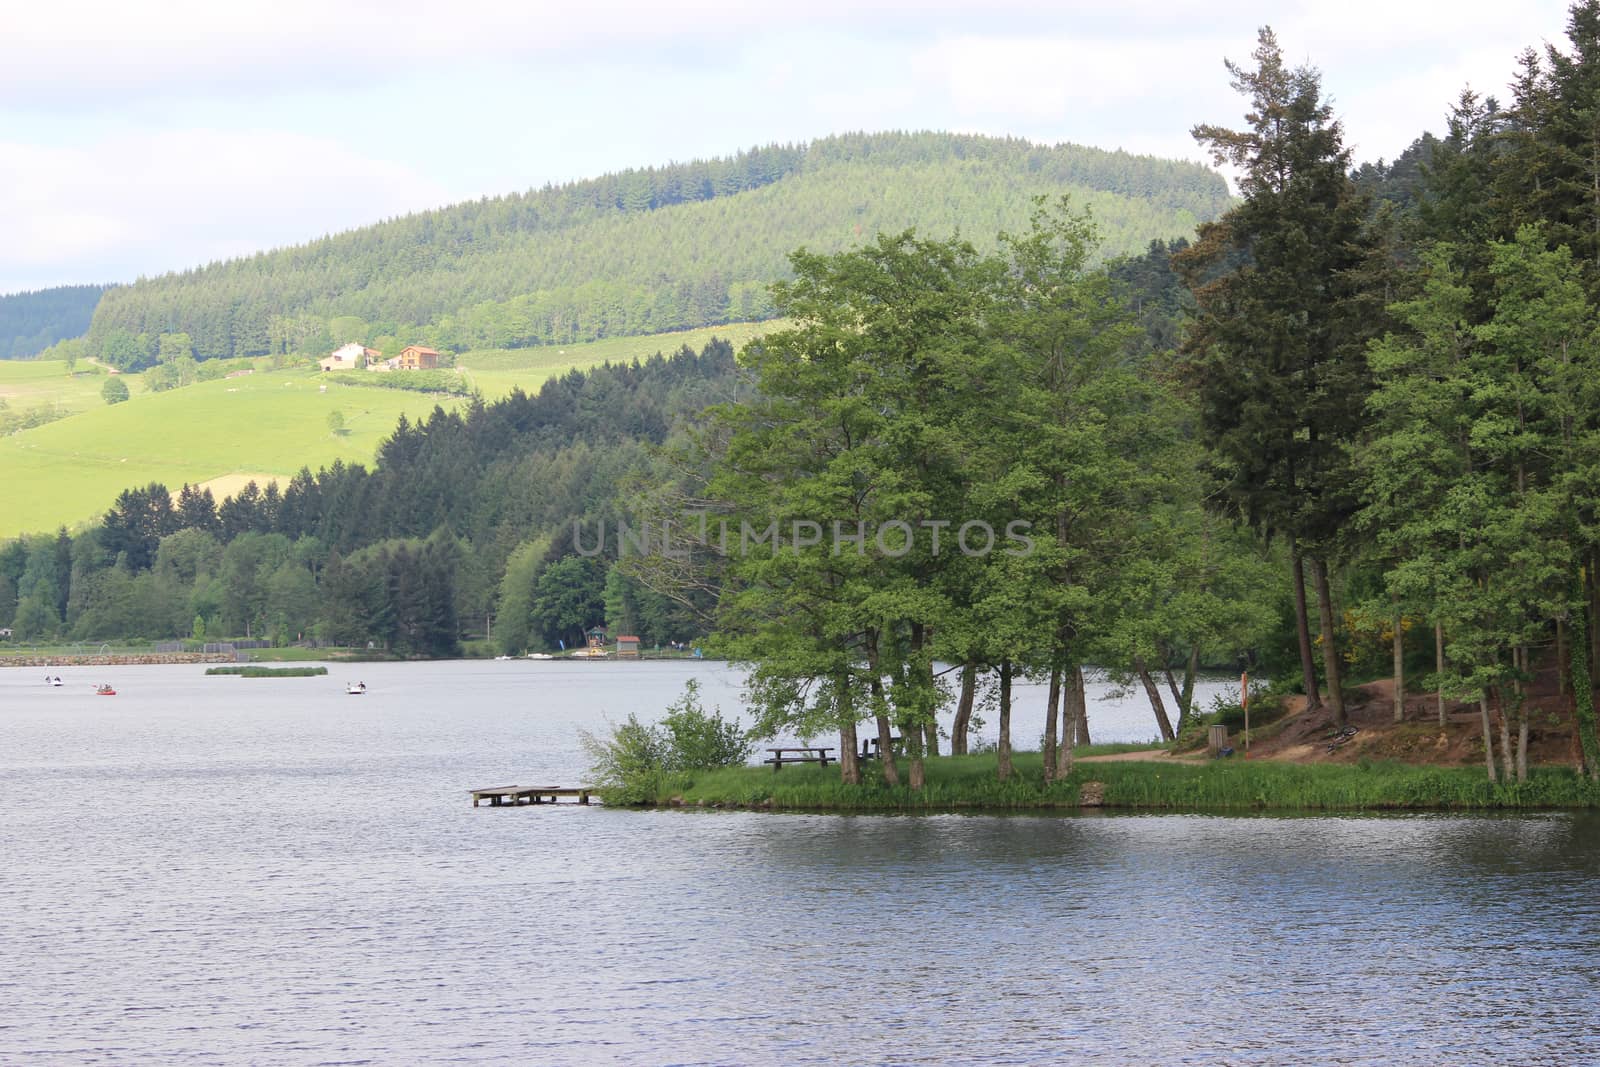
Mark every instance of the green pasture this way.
pixel 223 433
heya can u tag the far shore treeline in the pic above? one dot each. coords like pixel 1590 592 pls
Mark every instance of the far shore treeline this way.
pixel 1350 429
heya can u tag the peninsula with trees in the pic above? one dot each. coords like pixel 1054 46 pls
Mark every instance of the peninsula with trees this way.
pixel 1342 431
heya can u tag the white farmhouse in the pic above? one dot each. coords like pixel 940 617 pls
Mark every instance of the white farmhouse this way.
pixel 349 357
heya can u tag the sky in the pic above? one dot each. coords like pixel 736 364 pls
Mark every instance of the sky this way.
pixel 137 139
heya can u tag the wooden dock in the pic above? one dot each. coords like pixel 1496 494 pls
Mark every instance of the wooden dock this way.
pixel 497 795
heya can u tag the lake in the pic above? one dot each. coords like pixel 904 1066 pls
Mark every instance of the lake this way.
pixel 224 870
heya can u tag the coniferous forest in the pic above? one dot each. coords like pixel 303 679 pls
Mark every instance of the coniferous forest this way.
pixel 1350 426
pixel 32 322
pixel 640 252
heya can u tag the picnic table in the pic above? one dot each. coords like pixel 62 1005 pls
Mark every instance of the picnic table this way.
pixel 869 746
pixel 804 754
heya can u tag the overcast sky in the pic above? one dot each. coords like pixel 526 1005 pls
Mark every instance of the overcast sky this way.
pixel 137 138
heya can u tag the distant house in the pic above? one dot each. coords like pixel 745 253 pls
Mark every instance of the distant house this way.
pixel 416 357
pixel 384 365
pixel 349 357
pixel 627 645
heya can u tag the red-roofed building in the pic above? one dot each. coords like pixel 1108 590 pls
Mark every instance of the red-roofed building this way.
pixel 416 357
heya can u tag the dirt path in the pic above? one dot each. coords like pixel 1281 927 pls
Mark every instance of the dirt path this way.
pixel 1141 756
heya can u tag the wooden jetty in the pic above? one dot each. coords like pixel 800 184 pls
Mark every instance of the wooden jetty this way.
pixel 497 795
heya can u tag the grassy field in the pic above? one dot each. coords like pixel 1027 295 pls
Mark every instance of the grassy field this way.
pixel 961 782
pixel 262 425
pixel 27 383
pixel 224 433
pixel 496 371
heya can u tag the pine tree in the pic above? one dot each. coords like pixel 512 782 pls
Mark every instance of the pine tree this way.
pixel 1288 287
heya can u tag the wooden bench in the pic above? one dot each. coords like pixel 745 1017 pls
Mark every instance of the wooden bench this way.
pixel 807 754
pixel 497 795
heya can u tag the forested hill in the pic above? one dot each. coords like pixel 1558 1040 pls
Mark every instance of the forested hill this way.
pixel 642 251
pixel 31 322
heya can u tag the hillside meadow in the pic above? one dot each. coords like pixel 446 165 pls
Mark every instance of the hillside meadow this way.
pixel 224 433
pixel 29 383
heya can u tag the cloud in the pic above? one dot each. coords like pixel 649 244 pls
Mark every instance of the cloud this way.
pixel 141 138
pixel 139 204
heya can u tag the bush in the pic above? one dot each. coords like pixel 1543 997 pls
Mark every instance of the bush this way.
pixel 627 766
pixel 115 391
pixel 417 381
pixel 638 764
pixel 697 740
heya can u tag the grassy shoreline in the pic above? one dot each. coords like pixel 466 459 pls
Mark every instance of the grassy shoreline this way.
pixel 968 782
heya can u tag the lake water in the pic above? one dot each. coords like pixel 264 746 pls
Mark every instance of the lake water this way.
pixel 236 871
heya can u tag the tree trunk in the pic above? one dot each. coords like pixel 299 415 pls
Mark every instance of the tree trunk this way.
pixel 849 759
pixel 1488 735
pixel 1191 669
pixel 1561 658
pixel 1003 749
pixel 1080 707
pixel 1302 622
pixel 1522 744
pixel 927 732
pixel 1330 646
pixel 1583 710
pixel 1506 755
pixel 1156 703
pixel 913 743
pixel 963 720
pixel 891 769
pixel 1069 720
pixel 1172 687
pixel 1050 725
pixel 1520 706
pixel 1399 670
pixel 1438 665
pixel 1593 581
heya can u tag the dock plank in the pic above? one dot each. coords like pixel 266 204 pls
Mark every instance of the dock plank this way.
pixel 498 795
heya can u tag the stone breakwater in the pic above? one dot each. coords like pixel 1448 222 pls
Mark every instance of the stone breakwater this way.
pixel 139 659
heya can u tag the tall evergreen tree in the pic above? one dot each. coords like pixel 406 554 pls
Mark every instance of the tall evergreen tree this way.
pixel 1288 291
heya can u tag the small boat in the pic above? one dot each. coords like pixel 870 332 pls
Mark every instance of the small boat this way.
pixel 356 689
pixel 104 691
pixel 56 681
pixel 540 655
pixel 501 658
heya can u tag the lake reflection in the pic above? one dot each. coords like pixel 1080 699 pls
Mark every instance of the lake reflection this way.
pixel 252 871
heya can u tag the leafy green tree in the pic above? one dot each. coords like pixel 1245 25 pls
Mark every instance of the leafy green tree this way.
pixel 568 601
pixel 115 391
pixel 853 429
pixel 1479 475
pixel 172 346
pixel 36 617
pixel 514 608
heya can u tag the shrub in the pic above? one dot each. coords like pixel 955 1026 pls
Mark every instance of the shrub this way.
pixel 637 764
pixel 627 766
pixel 698 740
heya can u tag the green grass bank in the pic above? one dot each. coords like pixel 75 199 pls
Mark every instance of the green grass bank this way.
pixel 969 782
